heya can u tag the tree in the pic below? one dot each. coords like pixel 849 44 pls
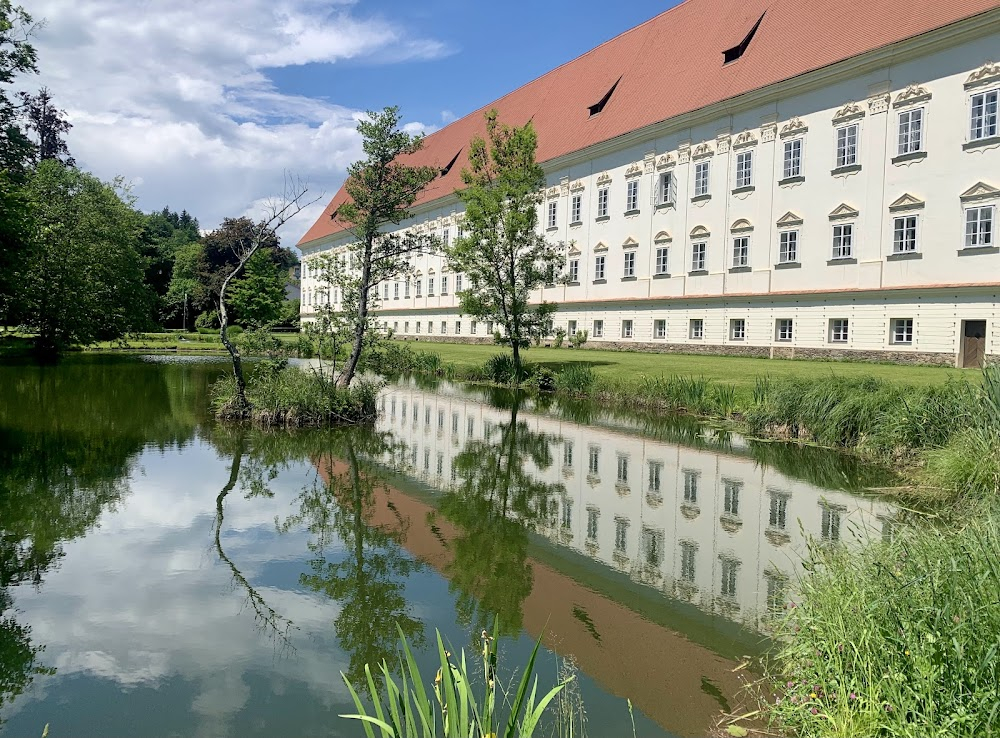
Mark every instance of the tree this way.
pixel 382 188
pixel 165 234
pixel 259 296
pixel 81 278
pixel 501 252
pixel 49 126
pixel 278 211
pixel 17 56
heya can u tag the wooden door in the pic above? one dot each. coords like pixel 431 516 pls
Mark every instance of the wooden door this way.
pixel 973 343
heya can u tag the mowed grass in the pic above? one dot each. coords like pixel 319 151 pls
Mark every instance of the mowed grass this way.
pixel 741 372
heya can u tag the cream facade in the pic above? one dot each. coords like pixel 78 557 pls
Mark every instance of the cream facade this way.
pixel 716 530
pixel 847 212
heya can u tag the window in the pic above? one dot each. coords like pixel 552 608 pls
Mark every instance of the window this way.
pixel 783 329
pixel 568 453
pixel 979 227
pixel 593 516
pixel 385 291
pixel 602 202
pixel 574 270
pixel 567 514
pixel 792 160
pixel 778 514
pixel 737 329
pixel 446 237
pixel 594 460
pixel 902 330
pixel 599 267
pixel 576 205
pixel 427 459
pixel 691 487
pixel 741 251
pixel 418 326
pixel 666 189
pixel 661 259
pixel 406 289
pixel 688 551
pixel 444 327
pixel 430 326
pixel 440 463
pixel 430 286
pixel 458 283
pixel 622 469
pixel 489 326
pixel 839 328
pixel 621 535
pixel 444 285
pixel 629 270
pixel 395 291
pixel 699 251
pixel 458 327
pixel 626 329
pixel 729 569
pixel 659 329
pixel 843 241
pixel 744 169
pixel 406 327
pixel 470 427
pixel 847 145
pixel 418 287
pixel 911 131
pixel 632 195
pixel 655 472
pixel 454 423
pixel 830 524
pixel 788 247
pixel 904 234
pixel 652 546
pixel 731 496
pixel 598 329
pixel 697 328
pixel 552 214
pixel 701 172
pixel 395 327
pixel 472 328
pixel 571 327
pixel 984 115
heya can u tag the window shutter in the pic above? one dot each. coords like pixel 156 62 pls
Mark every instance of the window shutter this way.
pixel 656 190
pixel 671 187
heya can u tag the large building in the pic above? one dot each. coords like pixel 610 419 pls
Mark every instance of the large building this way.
pixel 785 178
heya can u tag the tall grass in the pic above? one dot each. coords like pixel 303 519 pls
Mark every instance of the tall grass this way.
pixel 900 638
pixel 464 704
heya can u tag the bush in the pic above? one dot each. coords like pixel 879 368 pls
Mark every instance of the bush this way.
pixel 578 339
pixel 560 337
pixel 500 369
pixel 897 639
pixel 209 319
pixel 575 379
pixel 291 397
pixel 234 330
pixel 544 380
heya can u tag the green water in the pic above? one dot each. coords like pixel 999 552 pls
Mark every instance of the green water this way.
pixel 161 574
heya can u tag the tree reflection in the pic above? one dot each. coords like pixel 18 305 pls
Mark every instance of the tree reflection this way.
pixel 368 577
pixel 496 498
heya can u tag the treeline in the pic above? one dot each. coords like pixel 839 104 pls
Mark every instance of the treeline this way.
pixel 79 262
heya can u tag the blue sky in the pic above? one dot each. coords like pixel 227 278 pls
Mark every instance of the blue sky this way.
pixel 204 104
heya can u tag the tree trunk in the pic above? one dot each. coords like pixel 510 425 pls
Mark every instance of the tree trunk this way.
pixel 243 406
pixel 515 345
pixel 351 367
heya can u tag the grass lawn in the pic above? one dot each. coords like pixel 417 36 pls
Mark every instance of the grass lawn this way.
pixel 738 371
pixel 183 342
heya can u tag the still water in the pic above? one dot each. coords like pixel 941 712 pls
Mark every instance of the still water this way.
pixel 161 574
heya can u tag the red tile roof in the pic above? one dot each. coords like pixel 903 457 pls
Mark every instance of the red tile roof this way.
pixel 672 64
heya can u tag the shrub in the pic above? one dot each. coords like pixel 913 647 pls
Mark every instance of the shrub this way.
pixel 234 330
pixel 208 319
pixel 500 369
pixel 575 379
pixel 578 339
pixel 897 639
pixel 544 380
pixel 560 337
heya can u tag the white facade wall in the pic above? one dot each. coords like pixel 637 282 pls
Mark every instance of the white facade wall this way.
pixel 938 286
pixel 659 524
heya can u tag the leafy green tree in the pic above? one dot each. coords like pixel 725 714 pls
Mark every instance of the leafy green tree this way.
pixel 258 297
pixel 501 251
pixel 82 276
pixel 165 234
pixel 49 126
pixel 382 188
pixel 186 286
pixel 17 56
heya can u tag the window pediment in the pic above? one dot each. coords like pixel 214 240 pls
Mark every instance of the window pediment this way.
pixel 745 139
pixel 793 127
pixel 980 191
pixel 629 243
pixel 700 232
pixel 843 212
pixel 662 237
pixel 989 72
pixel 601 246
pixel 912 95
pixel 741 226
pixel 851 111
pixel 789 219
pixel 604 178
pixel 665 160
pixel 577 186
pixel 701 151
pixel 552 192
pixel 906 201
pixel 634 170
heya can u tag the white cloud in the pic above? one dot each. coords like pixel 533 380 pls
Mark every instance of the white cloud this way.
pixel 176 96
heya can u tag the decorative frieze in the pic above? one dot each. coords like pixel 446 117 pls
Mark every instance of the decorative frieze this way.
pixel 768 132
pixel 986 74
pixel 912 95
pixel 604 178
pixel 851 111
pixel 634 169
pixel 701 151
pixel 878 103
pixel 664 161
pixel 745 140
pixel 648 162
pixel 794 127
pixel 722 142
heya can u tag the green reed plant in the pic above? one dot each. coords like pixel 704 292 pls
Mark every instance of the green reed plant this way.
pixel 575 379
pixel 899 638
pixel 462 704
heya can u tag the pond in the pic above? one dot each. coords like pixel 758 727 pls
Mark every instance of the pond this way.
pixel 161 574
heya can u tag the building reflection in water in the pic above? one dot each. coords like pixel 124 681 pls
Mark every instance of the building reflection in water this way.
pixel 715 529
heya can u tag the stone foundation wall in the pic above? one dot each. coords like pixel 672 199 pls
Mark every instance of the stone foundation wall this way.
pixel 756 352
pixel 446 339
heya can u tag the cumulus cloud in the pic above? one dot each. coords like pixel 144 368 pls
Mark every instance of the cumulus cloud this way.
pixel 176 96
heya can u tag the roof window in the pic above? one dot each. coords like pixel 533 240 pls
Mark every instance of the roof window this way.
pixel 731 55
pixel 600 104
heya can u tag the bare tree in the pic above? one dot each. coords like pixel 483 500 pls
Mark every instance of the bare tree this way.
pixel 277 212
